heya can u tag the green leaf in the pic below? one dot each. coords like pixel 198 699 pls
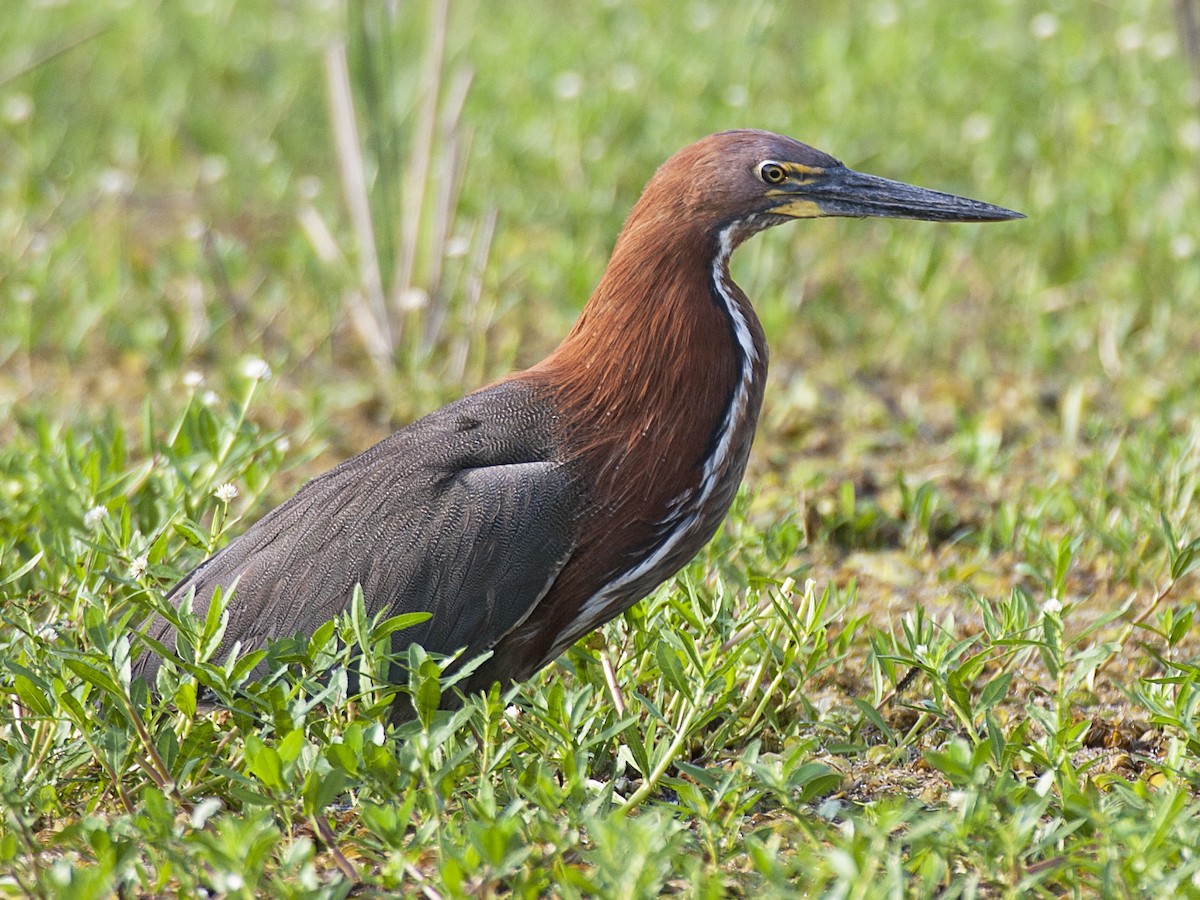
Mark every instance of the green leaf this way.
pixel 813 780
pixel 25 568
pixel 1185 560
pixel 33 697
pixel 264 763
pixel 398 623
pixel 343 758
pixel 1181 626
pixel 69 701
pixel 672 669
pixel 429 691
pixel 192 534
pixel 995 691
pixel 322 788
pixel 873 716
pixel 291 746
pixel 94 676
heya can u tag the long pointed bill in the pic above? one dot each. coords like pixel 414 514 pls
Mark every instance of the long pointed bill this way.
pixel 844 192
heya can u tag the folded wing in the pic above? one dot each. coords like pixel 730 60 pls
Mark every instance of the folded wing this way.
pixel 465 514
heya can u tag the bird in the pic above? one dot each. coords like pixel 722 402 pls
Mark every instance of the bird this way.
pixel 531 511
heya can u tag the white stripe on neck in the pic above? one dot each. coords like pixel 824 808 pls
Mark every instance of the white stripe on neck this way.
pixel 594 610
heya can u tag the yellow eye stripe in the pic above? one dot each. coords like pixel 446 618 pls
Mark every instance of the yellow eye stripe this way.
pixel 800 169
pixel 776 173
pixel 781 179
pixel 791 168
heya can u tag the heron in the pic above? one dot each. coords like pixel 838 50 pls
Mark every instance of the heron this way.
pixel 531 511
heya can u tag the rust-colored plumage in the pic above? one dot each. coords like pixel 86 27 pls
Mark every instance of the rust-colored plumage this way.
pixel 529 512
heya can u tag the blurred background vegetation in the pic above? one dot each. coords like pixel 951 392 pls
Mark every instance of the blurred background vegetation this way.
pixel 160 160
pixel 393 203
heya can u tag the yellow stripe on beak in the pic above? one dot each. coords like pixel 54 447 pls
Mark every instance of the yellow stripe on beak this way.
pixel 799 209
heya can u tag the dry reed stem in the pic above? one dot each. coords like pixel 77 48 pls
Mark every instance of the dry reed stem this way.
pixel 368 313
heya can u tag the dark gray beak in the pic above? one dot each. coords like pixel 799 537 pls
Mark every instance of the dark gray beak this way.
pixel 844 192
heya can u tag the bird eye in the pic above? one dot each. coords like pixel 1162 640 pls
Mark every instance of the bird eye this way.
pixel 772 173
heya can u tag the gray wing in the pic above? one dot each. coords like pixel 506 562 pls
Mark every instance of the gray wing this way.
pixel 465 514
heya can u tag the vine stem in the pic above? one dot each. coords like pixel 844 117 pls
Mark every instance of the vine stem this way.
pixel 652 779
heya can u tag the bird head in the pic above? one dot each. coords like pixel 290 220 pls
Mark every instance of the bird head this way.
pixel 757 179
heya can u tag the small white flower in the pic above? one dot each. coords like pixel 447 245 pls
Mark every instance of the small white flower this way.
pixel 568 85
pixel 1130 38
pixel 225 492
pixel 210 398
pixel 1161 45
pixel 1189 134
pixel 213 169
pixel 256 368
pixel 308 187
pixel 137 568
pixel 266 153
pixel 114 182
pixel 18 108
pixel 976 127
pixel 1052 606
pixel 624 77
pixel 193 379
pixel 94 516
pixel 194 228
pixel 885 14
pixel 205 810
pixel 736 95
pixel 920 650
pixel 701 17
pixel 1043 26
pixel 1183 246
pixel 283 445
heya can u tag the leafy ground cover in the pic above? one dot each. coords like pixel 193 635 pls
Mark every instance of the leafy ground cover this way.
pixel 945 643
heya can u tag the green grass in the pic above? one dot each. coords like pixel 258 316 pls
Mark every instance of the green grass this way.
pixel 945 643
